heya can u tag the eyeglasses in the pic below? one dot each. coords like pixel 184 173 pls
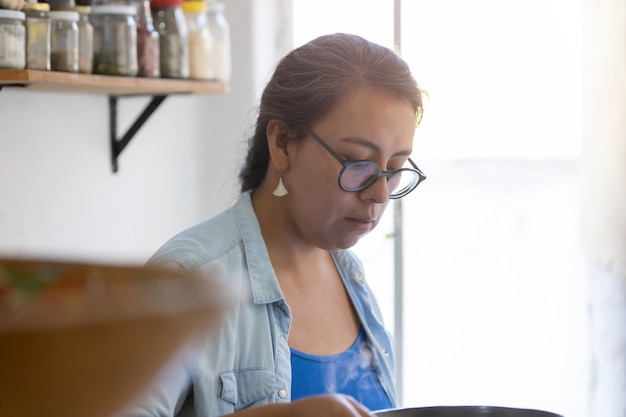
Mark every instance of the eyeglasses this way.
pixel 358 175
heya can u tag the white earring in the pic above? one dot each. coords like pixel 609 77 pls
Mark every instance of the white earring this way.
pixel 280 190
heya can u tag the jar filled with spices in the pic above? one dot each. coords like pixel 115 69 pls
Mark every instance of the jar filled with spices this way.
pixel 220 31
pixel 12 39
pixel 114 39
pixel 37 36
pixel 64 40
pixel 200 40
pixel 169 21
pixel 147 42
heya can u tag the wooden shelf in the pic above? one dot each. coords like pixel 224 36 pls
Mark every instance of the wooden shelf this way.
pixel 105 84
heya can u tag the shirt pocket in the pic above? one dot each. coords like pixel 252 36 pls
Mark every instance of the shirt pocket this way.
pixel 244 387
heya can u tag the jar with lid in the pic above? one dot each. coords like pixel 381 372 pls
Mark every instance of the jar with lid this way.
pixel 12 39
pixel 220 31
pixel 147 41
pixel 114 39
pixel 169 21
pixel 64 40
pixel 37 36
pixel 85 40
pixel 200 40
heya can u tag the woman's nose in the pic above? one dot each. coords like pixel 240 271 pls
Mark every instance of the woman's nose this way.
pixel 378 191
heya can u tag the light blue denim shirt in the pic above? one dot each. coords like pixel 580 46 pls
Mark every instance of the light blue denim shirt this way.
pixel 247 362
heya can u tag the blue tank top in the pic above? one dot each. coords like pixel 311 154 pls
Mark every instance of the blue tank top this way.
pixel 350 373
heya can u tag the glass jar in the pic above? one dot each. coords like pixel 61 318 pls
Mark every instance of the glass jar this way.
pixel 200 40
pixel 85 40
pixel 37 36
pixel 147 42
pixel 220 31
pixel 12 39
pixel 114 39
pixel 64 40
pixel 169 21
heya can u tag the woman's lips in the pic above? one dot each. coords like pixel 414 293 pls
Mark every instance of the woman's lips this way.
pixel 362 225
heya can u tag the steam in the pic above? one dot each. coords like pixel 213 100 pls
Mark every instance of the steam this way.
pixel 354 366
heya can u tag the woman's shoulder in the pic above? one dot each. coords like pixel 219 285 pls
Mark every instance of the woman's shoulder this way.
pixel 200 243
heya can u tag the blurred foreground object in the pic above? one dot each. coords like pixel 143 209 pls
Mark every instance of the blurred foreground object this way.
pixel 82 340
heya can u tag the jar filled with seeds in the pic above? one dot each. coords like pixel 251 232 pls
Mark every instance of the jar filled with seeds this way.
pixel 64 40
pixel 114 39
pixel 200 40
pixel 147 41
pixel 169 21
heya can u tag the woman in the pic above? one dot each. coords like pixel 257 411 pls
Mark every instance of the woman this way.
pixel 338 114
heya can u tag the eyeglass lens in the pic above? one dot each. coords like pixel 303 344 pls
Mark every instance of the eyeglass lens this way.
pixel 362 174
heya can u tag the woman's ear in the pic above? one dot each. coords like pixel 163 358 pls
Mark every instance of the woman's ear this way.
pixel 277 139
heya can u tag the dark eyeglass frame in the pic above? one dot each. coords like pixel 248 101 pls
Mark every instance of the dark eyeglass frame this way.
pixel 380 173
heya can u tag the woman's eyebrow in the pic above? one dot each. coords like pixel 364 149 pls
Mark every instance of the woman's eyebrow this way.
pixel 374 147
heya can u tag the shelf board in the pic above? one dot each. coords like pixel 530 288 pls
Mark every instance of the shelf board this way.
pixel 105 84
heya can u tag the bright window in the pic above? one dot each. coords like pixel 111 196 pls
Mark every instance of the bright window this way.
pixel 494 300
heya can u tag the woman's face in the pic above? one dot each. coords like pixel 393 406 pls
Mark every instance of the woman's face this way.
pixel 368 124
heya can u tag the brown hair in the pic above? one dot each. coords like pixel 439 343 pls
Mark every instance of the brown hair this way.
pixel 310 79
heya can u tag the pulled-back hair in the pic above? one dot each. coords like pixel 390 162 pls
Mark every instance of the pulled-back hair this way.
pixel 309 81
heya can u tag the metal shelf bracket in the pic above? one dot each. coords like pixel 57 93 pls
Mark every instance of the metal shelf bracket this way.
pixel 118 145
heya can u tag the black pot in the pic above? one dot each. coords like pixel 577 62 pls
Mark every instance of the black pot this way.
pixel 464 411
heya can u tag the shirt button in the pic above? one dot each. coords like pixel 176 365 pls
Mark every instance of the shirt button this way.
pixel 385 352
pixel 283 339
pixel 359 276
pixel 282 393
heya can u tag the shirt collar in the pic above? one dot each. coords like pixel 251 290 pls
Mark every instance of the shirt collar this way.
pixel 263 280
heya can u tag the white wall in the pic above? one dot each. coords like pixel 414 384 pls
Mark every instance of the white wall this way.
pixel 58 195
